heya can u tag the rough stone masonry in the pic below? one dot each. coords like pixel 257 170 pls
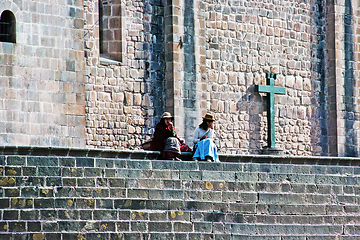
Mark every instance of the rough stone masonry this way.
pixel 99 74
pixel 59 194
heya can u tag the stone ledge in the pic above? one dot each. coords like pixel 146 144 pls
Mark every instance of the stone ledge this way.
pixel 78 152
pixel 186 156
pixel 287 159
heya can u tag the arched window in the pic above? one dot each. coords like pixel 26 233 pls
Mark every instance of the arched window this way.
pixel 7 27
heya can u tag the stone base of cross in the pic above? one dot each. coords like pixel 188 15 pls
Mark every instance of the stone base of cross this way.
pixel 271 151
pixel 270 89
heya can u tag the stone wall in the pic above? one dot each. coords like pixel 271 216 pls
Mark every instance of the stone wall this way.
pixel 246 39
pixel 85 194
pixel 188 58
pixel 42 99
pixel 124 97
pixel 345 86
pixel 208 56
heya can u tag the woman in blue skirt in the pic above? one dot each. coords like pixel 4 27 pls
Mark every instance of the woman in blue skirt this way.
pixel 205 149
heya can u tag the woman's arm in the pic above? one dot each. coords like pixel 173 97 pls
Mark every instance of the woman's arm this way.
pixel 196 135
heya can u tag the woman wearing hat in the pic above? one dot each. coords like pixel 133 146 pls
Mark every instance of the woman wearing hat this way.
pixel 165 139
pixel 205 149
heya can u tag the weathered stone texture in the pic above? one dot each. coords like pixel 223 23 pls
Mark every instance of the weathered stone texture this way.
pixel 111 197
pixel 124 97
pixel 60 89
pixel 43 94
pixel 246 39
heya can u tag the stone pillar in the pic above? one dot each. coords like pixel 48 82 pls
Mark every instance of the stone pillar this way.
pixel 185 64
pixel 173 67
pixel 342 87
pixel 203 96
pixel 329 83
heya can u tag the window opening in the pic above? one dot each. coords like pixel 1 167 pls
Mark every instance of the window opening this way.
pixel 110 29
pixel 7 27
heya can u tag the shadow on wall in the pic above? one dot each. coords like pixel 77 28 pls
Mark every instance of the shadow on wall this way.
pixel 319 67
pixel 349 83
pixel 155 62
pixel 326 119
pixel 189 88
pixel 251 104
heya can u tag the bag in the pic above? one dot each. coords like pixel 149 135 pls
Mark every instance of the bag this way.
pixel 185 148
pixel 147 144
pixel 172 144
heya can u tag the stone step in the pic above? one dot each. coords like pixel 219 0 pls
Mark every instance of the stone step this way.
pixel 224 197
pixel 136 223
pixel 293 237
pixel 43 173
pixel 155 188
pixel 134 197
pixel 143 164
pixel 35 151
pixel 15 208
pixel 167 236
pixel 105 230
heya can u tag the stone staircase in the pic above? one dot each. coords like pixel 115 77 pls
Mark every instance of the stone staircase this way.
pixel 99 196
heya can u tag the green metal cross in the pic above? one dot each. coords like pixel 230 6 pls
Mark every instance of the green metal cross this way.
pixel 270 89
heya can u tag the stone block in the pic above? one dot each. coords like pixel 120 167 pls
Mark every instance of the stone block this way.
pixel 11 215
pixel 18 226
pixel 12 171
pixel 173 194
pixel 104 163
pixel 105 215
pixel 139 226
pixel 85 162
pixel 210 196
pixel 42 161
pixel 182 227
pixel 160 226
pixel 351 229
pixel 191 175
pixel 203 227
pixel 246 177
pixel 248 197
pixel 129 173
pixel 15 160
pixel 67 162
pixel 117 192
pixel 93 172
pixel 139 164
pixel 161 174
pixel 44 203
pixel 49 171
pixel 246 229
pixel 138 193
pixel 50 226
pixel 218 176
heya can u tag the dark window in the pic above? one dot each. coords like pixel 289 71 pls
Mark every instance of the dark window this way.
pixel 7 27
pixel 110 29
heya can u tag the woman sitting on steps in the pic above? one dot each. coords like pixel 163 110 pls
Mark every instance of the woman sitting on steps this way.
pixel 205 149
pixel 165 139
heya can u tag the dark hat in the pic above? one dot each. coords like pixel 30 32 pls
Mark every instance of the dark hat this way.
pixel 167 115
pixel 209 117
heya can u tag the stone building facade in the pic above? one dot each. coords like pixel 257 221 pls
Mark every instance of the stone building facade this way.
pixel 99 73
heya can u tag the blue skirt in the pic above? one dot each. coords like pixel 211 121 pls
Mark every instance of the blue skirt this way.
pixel 205 148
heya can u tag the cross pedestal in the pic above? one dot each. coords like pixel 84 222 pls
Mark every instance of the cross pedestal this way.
pixel 271 90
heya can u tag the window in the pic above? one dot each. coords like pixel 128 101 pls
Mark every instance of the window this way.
pixel 7 27
pixel 110 29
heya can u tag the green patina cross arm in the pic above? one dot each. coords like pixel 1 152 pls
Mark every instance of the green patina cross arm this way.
pixel 271 90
